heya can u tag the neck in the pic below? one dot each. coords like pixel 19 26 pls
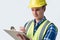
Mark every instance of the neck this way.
pixel 37 20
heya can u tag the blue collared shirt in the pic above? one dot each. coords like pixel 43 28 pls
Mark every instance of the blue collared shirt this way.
pixel 51 31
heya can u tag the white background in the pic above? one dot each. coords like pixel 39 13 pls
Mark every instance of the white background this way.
pixel 16 13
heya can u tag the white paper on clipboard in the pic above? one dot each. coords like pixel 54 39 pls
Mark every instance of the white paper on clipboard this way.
pixel 14 34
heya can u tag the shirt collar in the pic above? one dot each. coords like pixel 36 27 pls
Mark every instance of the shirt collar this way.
pixel 44 18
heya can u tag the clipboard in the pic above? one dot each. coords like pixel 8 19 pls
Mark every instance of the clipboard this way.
pixel 13 34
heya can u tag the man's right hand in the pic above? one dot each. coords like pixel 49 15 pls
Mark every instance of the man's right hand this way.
pixel 22 37
pixel 22 29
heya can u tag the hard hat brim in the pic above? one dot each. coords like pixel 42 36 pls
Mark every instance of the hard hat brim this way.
pixel 36 6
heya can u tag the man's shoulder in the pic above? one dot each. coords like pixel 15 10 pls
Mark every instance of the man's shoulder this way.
pixel 29 21
pixel 52 26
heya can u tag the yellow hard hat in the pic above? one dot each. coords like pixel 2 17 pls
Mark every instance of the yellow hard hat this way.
pixel 37 3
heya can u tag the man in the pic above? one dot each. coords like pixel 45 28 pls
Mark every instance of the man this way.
pixel 39 28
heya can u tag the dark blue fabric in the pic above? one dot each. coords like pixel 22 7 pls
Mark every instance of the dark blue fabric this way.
pixel 51 33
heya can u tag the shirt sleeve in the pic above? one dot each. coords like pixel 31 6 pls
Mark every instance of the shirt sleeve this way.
pixel 51 32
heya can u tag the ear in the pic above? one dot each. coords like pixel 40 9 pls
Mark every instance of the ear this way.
pixel 44 8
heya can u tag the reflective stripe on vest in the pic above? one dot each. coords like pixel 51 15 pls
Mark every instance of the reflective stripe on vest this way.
pixel 27 26
pixel 39 34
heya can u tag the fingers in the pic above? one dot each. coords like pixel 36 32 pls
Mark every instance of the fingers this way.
pixel 26 38
pixel 18 35
pixel 21 36
pixel 22 29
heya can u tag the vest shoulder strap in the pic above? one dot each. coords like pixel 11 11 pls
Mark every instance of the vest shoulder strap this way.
pixel 28 25
pixel 44 29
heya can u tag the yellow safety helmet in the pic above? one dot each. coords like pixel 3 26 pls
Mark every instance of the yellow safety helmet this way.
pixel 37 3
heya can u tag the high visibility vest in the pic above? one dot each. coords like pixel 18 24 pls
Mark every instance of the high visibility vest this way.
pixel 40 32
